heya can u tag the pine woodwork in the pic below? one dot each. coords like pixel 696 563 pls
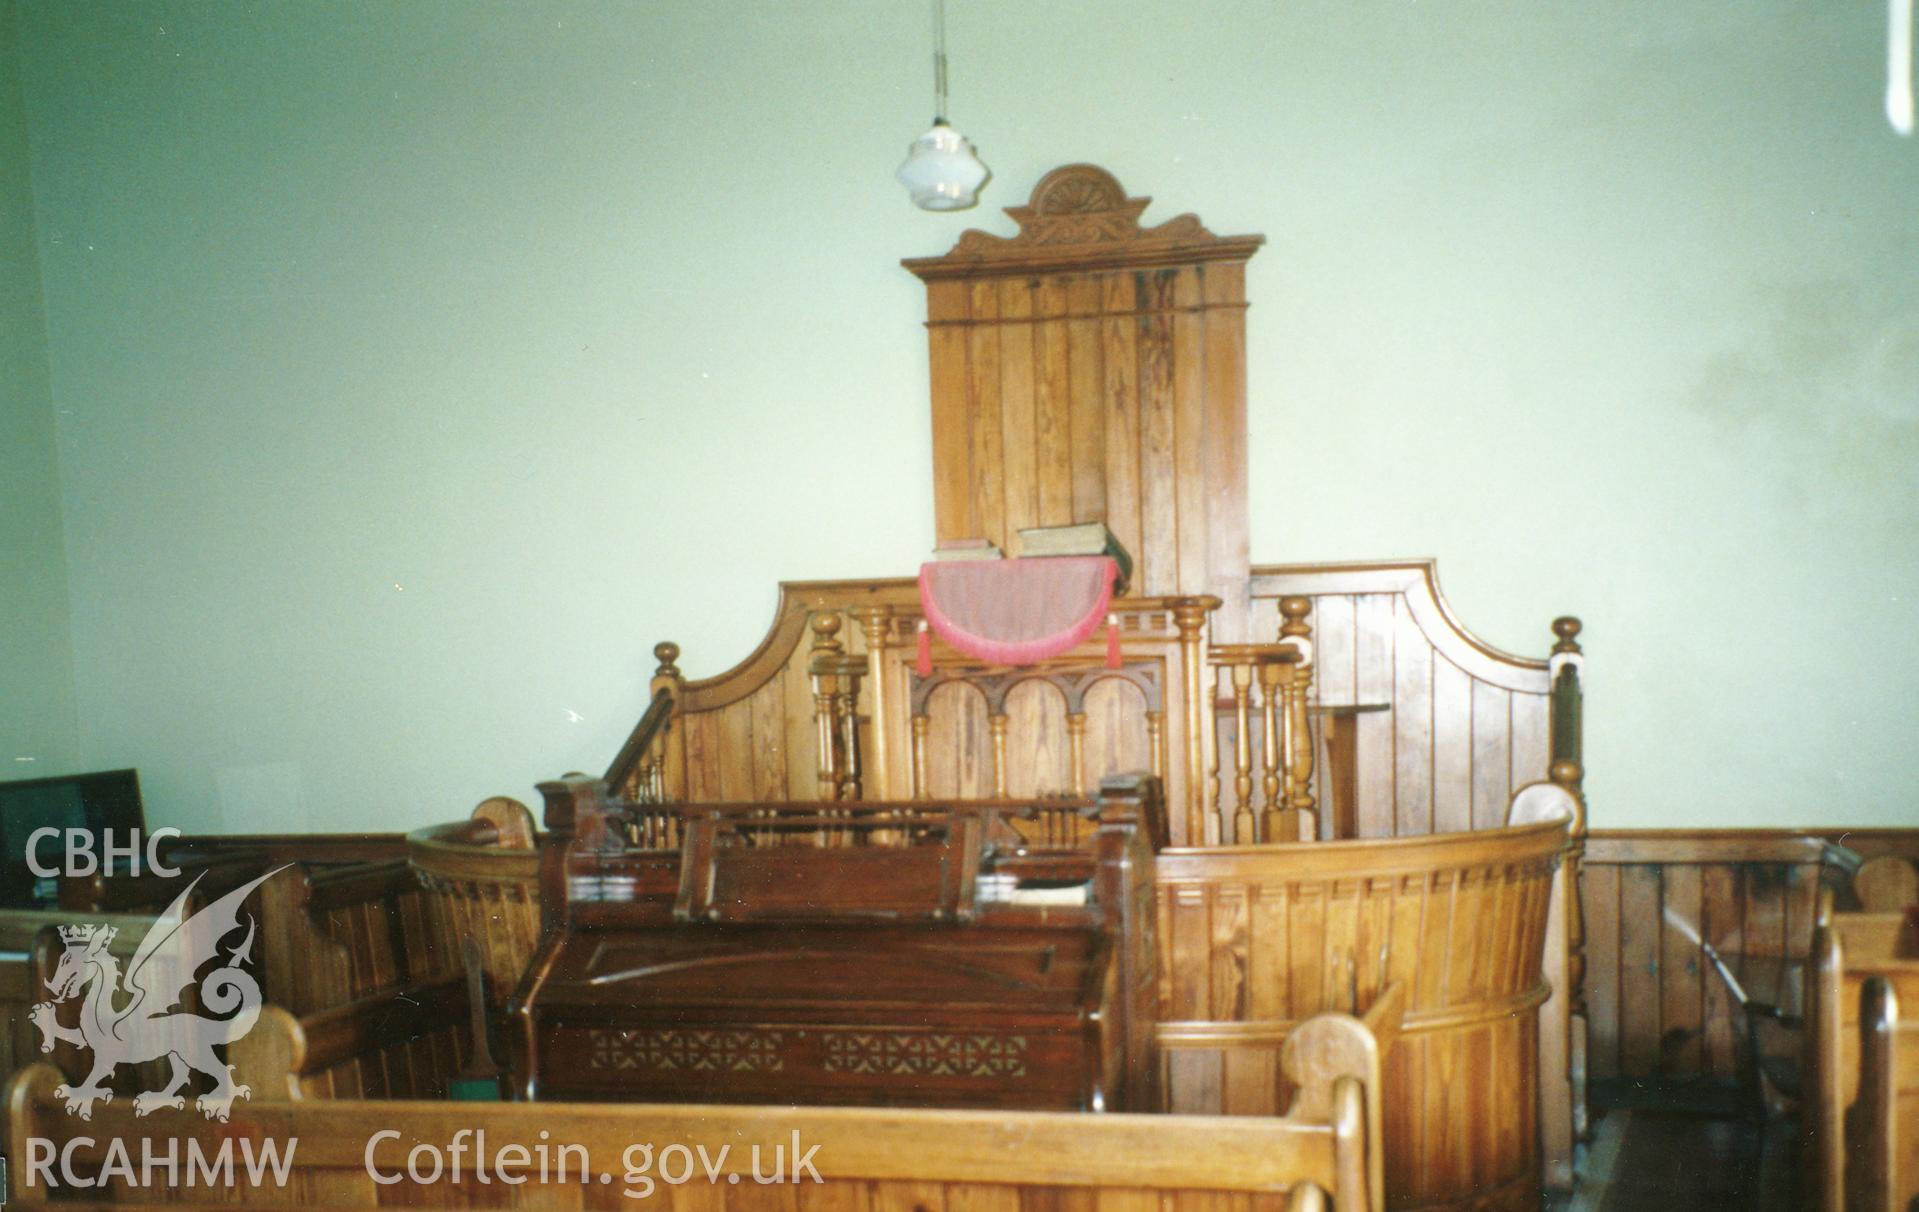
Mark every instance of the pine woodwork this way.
pixel 1656 1008
pixel 1090 369
pixel 1254 938
pixel 1862 1106
pixel 481 877
pixel 878 1161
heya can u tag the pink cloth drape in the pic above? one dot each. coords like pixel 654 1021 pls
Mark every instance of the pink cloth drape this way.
pixel 1017 612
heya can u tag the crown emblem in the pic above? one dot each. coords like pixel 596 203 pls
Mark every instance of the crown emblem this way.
pixel 87 934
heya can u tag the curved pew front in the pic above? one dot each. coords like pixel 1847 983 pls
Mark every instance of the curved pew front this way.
pixel 482 878
pixel 1254 939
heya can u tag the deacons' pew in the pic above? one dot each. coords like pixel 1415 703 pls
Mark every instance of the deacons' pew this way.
pixel 481 877
pixel 401 1043
pixel 1862 1112
pixel 354 1153
pixel 1255 938
pixel 333 934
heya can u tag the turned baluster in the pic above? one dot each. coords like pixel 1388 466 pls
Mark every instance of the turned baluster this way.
pixel 1297 634
pixel 824 667
pixel 1200 810
pixel 1272 711
pixel 1242 675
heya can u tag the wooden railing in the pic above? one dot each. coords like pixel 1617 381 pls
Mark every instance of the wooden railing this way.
pixel 639 770
pixel 1262 692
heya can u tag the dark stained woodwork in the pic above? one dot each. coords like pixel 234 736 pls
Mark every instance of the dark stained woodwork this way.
pixel 992 954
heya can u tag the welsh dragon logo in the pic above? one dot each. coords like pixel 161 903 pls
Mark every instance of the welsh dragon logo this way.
pixel 139 1017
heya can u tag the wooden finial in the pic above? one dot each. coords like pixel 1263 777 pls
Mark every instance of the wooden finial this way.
pixel 1566 628
pixel 1293 612
pixel 826 631
pixel 1566 774
pixel 666 652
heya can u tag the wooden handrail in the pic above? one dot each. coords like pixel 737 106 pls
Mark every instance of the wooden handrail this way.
pixel 651 727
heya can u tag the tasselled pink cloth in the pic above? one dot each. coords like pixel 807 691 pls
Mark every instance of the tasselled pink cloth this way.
pixel 1017 612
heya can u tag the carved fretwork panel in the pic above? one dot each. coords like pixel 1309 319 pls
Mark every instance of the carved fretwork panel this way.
pixel 1090 369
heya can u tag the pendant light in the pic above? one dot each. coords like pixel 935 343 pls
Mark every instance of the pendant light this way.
pixel 941 172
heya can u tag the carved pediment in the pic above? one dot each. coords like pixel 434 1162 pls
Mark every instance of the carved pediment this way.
pixel 1080 215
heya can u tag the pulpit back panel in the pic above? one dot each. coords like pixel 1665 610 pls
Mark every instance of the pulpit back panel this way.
pixel 1446 726
pixel 1088 369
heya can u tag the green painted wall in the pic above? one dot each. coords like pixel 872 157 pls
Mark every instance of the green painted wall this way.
pixel 419 365
pixel 37 727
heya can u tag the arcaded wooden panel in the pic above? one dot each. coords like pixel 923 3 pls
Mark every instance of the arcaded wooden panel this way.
pixel 958 748
pixel 1037 765
pixel 1116 738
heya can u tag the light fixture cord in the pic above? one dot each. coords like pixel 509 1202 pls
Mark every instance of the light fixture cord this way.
pixel 939 61
pixel 1899 65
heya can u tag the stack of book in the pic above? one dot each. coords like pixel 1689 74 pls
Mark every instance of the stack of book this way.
pixel 966 549
pixel 1083 539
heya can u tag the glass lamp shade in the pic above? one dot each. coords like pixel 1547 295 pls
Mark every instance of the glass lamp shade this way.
pixel 941 171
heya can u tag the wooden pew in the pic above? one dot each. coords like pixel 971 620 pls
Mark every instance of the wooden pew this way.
pixel 932 1161
pixel 333 934
pixel 29 947
pixel 1865 966
pixel 1882 1128
pixel 481 877
pixel 400 1043
pixel 221 862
